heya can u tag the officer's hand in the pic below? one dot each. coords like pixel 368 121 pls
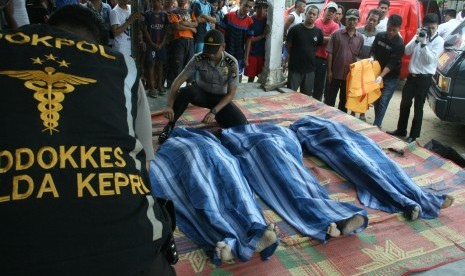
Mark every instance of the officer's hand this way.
pixel 209 118
pixel 169 113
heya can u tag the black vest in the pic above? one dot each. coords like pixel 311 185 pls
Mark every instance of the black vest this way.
pixel 74 192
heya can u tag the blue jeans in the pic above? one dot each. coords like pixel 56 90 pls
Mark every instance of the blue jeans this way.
pixel 382 103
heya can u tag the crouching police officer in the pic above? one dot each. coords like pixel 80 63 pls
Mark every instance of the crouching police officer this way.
pixel 215 88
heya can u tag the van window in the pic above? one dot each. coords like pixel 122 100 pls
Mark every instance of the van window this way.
pixel 455 45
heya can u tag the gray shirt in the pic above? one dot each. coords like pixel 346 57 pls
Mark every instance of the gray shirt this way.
pixel 213 78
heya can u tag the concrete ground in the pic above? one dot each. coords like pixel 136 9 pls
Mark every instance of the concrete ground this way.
pixel 447 133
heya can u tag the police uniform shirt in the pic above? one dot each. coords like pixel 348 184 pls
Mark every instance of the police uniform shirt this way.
pixel 74 192
pixel 214 79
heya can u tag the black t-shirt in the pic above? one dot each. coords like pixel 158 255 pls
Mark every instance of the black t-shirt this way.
pixel 74 192
pixel 304 42
pixel 388 53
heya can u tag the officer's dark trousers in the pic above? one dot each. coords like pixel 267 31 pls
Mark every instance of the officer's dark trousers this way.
pixel 415 88
pixel 228 116
pixel 183 51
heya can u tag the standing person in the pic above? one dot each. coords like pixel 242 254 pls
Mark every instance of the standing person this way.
pixel 121 20
pixel 383 7
pixel 450 23
pixel 86 188
pixel 425 48
pixel 168 7
pixel 388 49
pixel 343 49
pixel 327 26
pixel 215 88
pixel 155 24
pixel 368 33
pixel 461 15
pixel 301 43
pixel 184 24
pixel 236 25
pixel 339 16
pixel 104 10
pixel 204 13
pixel 294 18
pixel 255 45
pixel 16 14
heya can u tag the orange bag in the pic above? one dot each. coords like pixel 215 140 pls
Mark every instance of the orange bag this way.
pixel 361 87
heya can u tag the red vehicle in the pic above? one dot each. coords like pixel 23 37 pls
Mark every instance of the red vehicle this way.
pixel 411 11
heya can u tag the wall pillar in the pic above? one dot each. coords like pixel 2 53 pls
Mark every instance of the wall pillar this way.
pixel 272 76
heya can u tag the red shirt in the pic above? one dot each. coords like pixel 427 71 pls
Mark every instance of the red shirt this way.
pixel 327 29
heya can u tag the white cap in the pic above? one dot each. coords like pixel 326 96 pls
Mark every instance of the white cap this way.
pixel 331 5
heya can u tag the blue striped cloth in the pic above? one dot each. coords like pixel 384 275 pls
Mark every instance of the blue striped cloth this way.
pixel 213 201
pixel 271 159
pixel 380 182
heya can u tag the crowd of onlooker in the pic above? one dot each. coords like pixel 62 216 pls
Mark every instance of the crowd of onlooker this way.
pixel 167 32
pixel 318 45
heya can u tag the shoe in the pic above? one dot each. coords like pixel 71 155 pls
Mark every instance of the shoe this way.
pixel 410 140
pixel 363 118
pixel 153 93
pixel 165 134
pixel 163 91
pixel 396 133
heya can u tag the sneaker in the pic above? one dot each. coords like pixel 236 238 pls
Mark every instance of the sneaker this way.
pixel 165 134
pixel 153 93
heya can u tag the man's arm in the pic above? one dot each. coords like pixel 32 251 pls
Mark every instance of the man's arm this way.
pixel 289 20
pixel 395 59
pixel 9 10
pixel 231 92
pixel 117 28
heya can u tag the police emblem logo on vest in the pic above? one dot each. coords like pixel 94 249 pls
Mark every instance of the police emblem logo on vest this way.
pixel 225 70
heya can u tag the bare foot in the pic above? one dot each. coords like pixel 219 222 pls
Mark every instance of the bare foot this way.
pixel 269 237
pixel 333 231
pixel 349 225
pixel 415 213
pixel 223 251
pixel 447 202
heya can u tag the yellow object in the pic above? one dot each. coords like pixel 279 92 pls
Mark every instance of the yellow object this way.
pixel 361 87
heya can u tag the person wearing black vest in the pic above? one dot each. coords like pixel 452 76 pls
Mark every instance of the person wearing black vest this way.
pixel 75 196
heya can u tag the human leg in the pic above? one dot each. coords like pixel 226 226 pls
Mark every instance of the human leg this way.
pixel 294 80
pixel 408 93
pixel 382 103
pixel 420 98
pixel 380 182
pixel 330 96
pixel 342 97
pixel 320 77
pixel 230 116
pixel 307 84
pixel 282 180
pixel 215 210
